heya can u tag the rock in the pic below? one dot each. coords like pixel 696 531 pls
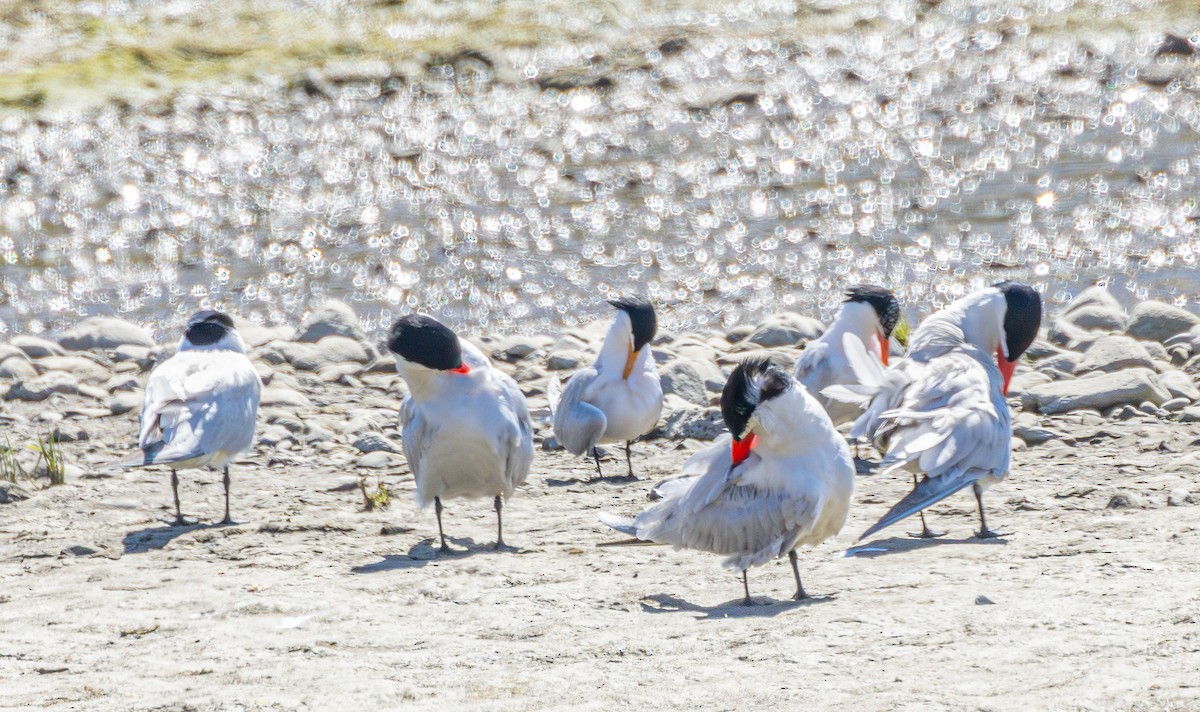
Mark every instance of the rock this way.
pixel 984 601
pixel 1126 500
pixel 1114 353
pixel 374 442
pixel 1179 385
pixel 18 368
pixel 1157 321
pixel 1025 381
pixel 1097 318
pixel 333 318
pixel 1179 497
pixel 283 396
pixel 566 360
pixel 104 332
pixel 1094 296
pixel 12 492
pixel 786 330
pixel 35 347
pixel 330 351
pixel 1176 404
pixel 1041 349
pixel 1067 335
pixel 132 352
pixel 125 402
pixel 685 421
pixel 1133 385
pixel 1066 362
pixel 513 348
pixel 739 333
pixel 551 444
pixel 272 435
pixel 39 389
pixel 337 373
pixel 683 378
pixel 82 369
pixel 1190 415
pixel 255 334
pixel 69 432
pixel 121 382
pixel 1028 429
pixel 377 460
pixel 1125 412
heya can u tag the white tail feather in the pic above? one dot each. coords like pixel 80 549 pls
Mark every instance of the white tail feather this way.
pixel 553 393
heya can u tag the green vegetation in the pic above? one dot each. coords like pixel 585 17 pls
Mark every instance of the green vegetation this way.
pixel 380 499
pixel 49 452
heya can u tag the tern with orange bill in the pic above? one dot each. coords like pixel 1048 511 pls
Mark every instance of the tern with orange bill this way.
pixel 783 478
pixel 466 426
pixel 942 412
pixel 620 397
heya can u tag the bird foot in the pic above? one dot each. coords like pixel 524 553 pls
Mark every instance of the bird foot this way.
pixel 228 522
pixel 612 479
pixel 748 602
pixel 989 534
pixel 182 522
pixel 501 546
pixel 926 533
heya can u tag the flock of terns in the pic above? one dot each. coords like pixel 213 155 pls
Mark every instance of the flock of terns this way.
pixel 781 478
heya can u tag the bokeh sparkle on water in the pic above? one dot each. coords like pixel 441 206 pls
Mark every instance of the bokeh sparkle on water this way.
pixel 727 171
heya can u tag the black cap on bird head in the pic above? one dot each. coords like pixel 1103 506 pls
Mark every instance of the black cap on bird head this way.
pixel 881 300
pixel 641 316
pixel 423 340
pixel 1022 317
pixel 753 382
pixel 207 327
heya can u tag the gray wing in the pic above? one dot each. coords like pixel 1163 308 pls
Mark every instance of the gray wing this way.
pixel 578 425
pixel 415 433
pixel 519 450
pixel 810 361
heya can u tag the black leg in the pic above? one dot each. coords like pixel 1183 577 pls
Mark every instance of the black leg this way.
pixel 984 532
pixel 175 489
pixel 746 588
pixel 926 532
pixel 800 595
pixel 628 457
pixel 437 507
pixel 596 454
pixel 499 523
pixel 227 519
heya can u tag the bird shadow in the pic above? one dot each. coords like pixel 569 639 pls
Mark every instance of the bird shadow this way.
pixel 597 480
pixel 428 551
pixel 736 608
pixel 901 544
pixel 864 467
pixel 154 538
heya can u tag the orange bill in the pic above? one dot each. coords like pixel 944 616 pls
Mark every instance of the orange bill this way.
pixel 1006 368
pixel 629 361
pixel 741 448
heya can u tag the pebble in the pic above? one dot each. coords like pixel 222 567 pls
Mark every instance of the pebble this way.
pixel 333 318
pixel 1190 414
pixel 81 368
pixel 566 360
pixel 69 432
pixel 1133 385
pixel 104 332
pixel 1094 317
pixel 1179 497
pixel 272 435
pixel 1179 385
pixel 1176 404
pixel 43 387
pixel 123 382
pixel 125 402
pixel 281 395
pixel 18 368
pixel 1157 321
pixel 786 329
pixel 1126 500
pixel 377 460
pixel 739 333
pixel 374 442
pixel 687 421
pixel 511 349
pixel 1114 353
pixel 13 492
pixel 36 347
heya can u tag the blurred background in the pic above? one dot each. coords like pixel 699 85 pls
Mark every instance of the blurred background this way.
pixel 506 165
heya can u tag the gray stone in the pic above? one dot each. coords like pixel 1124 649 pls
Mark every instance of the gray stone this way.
pixel 1114 353
pixel 104 332
pixel 374 442
pixel 327 352
pixel 1094 296
pixel 1126 500
pixel 255 334
pixel 566 360
pixel 1190 415
pixel 685 421
pixel 125 402
pixel 12 492
pixel 683 378
pixel 121 382
pixel 1158 321
pixel 36 347
pixel 1067 335
pixel 513 348
pixel 1176 404
pixel 333 318
pixel 377 460
pixel 132 352
pixel 81 368
pixel 1179 497
pixel 1179 385
pixel 69 432
pixel 786 330
pixel 1097 318
pixel 41 388
pixel 1133 385
pixel 283 396
pixel 739 333
pixel 1066 362
pixel 1041 349
pixel 272 435
pixel 1027 427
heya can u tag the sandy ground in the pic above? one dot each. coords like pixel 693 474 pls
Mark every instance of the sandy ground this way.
pixel 312 603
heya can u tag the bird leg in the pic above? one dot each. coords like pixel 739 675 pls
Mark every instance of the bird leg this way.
pixel 596 454
pixel 800 595
pixel 628 458
pixel 746 588
pixel 437 507
pixel 984 532
pixel 175 489
pixel 499 524
pixel 926 532
pixel 227 519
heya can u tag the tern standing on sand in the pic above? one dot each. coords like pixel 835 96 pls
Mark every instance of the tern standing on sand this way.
pixel 870 313
pixel 620 396
pixel 466 426
pixel 200 404
pixel 942 411
pixel 781 480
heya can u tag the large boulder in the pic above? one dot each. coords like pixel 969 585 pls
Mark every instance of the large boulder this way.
pixel 682 377
pixel 333 318
pixel 1133 386
pixel 104 332
pixel 1158 321
pixel 1097 318
pixel 1179 385
pixel 1114 353
pixel 1097 297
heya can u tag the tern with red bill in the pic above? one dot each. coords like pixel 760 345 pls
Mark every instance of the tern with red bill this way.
pixel 870 313
pixel 781 479
pixel 941 412
pixel 200 405
pixel 620 397
pixel 466 426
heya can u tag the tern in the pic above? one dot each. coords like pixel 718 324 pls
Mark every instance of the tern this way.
pixel 870 313
pixel 782 478
pixel 466 425
pixel 200 404
pixel 619 397
pixel 942 412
